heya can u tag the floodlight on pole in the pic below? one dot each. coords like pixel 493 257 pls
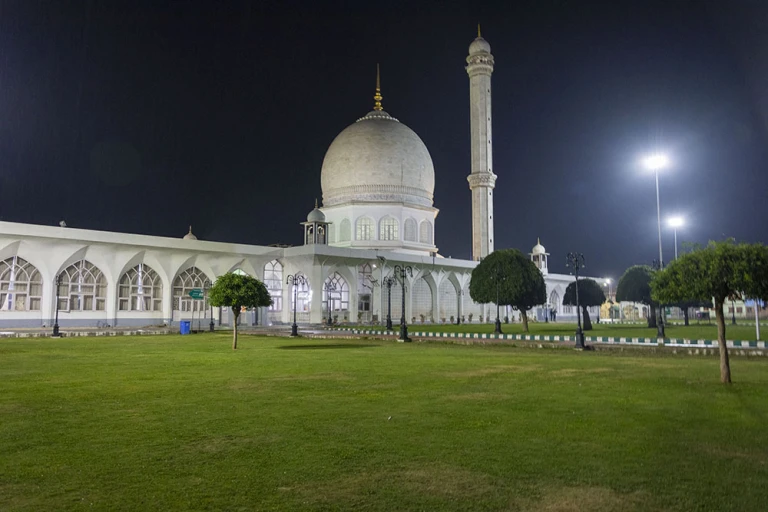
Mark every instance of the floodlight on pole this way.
pixel 655 163
pixel 674 223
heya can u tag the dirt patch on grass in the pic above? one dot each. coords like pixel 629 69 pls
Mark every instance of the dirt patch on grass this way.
pixel 584 499
pixel 758 456
pixel 223 444
pixel 570 372
pixel 441 482
pixel 479 397
pixel 492 370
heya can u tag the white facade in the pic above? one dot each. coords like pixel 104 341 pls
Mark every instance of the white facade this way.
pixel 377 182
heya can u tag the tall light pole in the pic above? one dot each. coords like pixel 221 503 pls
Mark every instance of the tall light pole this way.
pixel 655 163
pixel 660 319
pixel 295 280
pixel 674 223
pixel 575 260
pixel 56 333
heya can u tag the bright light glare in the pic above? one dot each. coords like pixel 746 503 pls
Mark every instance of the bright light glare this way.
pixel 676 222
pixel 656 162
pixel 608 280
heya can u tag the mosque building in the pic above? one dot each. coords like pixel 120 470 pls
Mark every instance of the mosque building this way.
pixel 377 212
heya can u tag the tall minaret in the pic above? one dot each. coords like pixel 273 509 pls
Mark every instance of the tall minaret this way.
pixel 481 180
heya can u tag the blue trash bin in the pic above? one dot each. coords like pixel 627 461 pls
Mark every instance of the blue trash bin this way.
pixel 184 326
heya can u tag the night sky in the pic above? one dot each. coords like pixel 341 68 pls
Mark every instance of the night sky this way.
pixel 148 116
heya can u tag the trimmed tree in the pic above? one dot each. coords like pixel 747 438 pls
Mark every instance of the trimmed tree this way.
pixel 237 291
pixel 720 271
pixel 521 284
pixel 590 294
pixel 635 286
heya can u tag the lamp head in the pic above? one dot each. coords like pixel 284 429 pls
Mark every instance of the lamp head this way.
pixel 676 222
pixel 655 162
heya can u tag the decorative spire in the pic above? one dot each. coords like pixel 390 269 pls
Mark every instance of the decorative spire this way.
pixel 315 202
pixel 538 240
pixel 190 229
pixel 377 97
pixel 478 31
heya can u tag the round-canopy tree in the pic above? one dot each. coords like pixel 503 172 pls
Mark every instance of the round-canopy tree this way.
pixel 238 291
pixel 720 271
pixel 590 294
pixel 635 286
pixel 521 284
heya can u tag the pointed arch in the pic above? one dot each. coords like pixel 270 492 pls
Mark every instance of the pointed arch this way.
pixel 82 287
pixel 425 232
pixel 140 289
pixel 186 281
pixel 554 300
pixel 449 300
pixel 409 230
pixel 273 280
pixel 335 293
pixel 364 229
pixel 21 285
pixel 345 231
pixel 389 229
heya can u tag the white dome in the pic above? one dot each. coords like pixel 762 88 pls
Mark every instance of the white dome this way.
pixel 538 248
pixel 316 215
pixel 479 45
pixel 190 236
pixel 378 159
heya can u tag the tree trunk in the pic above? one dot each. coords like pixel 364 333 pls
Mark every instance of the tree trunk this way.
pixel 652 316
pixel 524 318
pixel 685 316
pixel 236 315
pixel 587 323
pixel 725 364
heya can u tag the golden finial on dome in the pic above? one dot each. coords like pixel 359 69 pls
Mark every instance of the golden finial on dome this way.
pixel 478 30
pixel 377 97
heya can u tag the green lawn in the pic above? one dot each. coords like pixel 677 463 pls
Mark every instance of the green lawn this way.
pixel 185 423
pixel 694 331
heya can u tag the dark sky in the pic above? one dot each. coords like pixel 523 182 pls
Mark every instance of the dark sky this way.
pixel 147 116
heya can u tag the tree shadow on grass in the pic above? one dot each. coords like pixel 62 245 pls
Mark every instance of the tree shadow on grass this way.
pixel 326 346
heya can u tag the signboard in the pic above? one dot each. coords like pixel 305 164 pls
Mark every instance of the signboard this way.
pixel 196 293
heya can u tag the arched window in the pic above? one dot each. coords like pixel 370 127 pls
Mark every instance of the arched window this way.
pixel 345 231
pixel 140 289
pixel 310 238
pixel 185 282
pixel 83 287
pixel 21 285
pixel 425 232
pixel 273 280
pixel 554 300
pixel 388 229
pixel 320 235
pixel 303 296
pixel 364 230
pixel 410 230
pixel 365 279
pixel 336 292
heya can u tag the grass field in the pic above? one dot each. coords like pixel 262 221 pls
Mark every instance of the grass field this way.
pixel 703 331
pixel 185 423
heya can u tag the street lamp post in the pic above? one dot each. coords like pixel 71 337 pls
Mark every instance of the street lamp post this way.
pixel 575 260
pixel 733 312
pixel 498 278
pixel 388 282
pixel 674 223
pixel 56 333
pixel 660 318
pixel 295 280
pixel 655 163
pixel 401 271
pixel 207 291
